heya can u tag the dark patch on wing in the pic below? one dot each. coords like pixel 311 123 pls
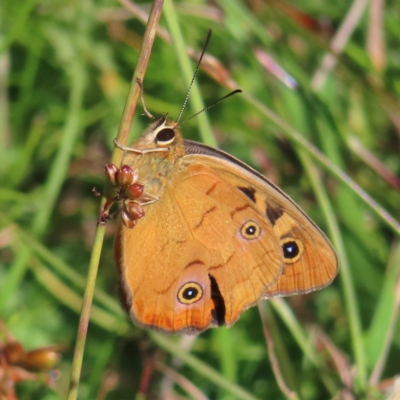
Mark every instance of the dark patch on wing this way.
pixel 204 215
pixel 192 147
pixel 273 212
pixel 249 192
pixel 218 313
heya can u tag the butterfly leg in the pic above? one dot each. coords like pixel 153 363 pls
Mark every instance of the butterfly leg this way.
pixel 139 151
pixel 132 210
pixel 147 199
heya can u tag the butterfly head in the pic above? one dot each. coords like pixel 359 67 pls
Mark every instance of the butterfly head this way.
pixel 162 133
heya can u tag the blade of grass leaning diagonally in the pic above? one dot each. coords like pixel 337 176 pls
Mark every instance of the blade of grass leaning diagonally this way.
pixel 345 274
pixel 382 329
pixel 299 334
pixel 332 168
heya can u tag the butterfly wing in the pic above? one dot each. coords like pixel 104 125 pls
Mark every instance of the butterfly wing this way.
pixel 202 254
pixel 309 261
pixel 220 238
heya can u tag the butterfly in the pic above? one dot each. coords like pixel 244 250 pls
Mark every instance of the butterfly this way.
pixel 203 236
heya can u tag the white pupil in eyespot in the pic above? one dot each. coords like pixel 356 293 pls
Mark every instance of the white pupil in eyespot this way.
pixel 290 249
pixel 190 293
pixel 251 230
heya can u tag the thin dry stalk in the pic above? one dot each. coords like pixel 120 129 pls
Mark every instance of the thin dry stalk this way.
pixel 122 138
pixel 272 357
pixel 338 42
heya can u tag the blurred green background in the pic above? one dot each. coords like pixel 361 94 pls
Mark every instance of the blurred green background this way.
pixel 65 70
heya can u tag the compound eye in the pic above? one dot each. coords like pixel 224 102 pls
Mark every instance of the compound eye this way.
pixel 165 136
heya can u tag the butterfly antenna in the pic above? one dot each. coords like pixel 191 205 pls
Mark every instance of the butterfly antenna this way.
pixel 195 73
pixel 212 105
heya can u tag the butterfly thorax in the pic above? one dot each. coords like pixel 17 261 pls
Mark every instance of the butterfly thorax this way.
pixel 155 168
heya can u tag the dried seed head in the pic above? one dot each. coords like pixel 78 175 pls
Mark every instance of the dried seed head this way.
pixel 125 176
pixel 111 172
pixel 134 191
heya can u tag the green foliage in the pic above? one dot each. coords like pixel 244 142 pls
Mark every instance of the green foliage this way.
pixel 65 71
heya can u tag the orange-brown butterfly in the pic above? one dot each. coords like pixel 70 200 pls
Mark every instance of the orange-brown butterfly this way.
pixel 203 236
